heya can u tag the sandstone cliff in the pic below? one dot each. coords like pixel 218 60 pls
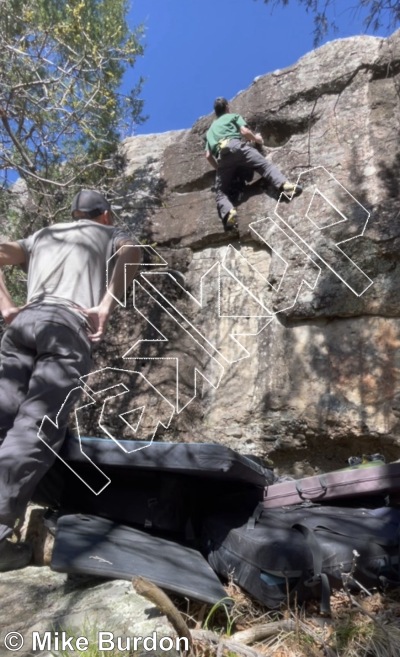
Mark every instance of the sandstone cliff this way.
pixel 283 340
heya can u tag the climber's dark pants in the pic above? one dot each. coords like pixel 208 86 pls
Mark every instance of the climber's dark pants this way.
pixel 240 154
pixel 44 352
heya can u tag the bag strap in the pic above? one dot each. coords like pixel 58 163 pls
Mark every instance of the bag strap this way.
pixel 255 516
pixel 315 495
pixel 319 577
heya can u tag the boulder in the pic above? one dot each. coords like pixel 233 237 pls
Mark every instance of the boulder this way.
pixel 283 342
pixel 44 607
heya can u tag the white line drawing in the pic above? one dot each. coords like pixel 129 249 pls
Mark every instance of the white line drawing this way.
pixel 198 335
pixel 89 392
pixel 41 435
pixel 341 264
pixel 109 393
pixel 267 297
pixel 194 335
pixel 110 263
pixel 309 275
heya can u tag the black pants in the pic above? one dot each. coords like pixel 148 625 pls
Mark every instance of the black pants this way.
pixel 240 154
pixel 44 352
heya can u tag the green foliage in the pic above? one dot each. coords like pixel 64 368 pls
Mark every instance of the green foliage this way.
pixel 221 605
pixel 61 113
pixel 380 13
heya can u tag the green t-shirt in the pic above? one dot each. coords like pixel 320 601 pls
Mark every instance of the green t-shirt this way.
pixel 226 126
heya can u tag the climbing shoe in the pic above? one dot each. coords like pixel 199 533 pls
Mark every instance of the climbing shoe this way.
pixel 14 555
pixel 291 189
pixel 231 219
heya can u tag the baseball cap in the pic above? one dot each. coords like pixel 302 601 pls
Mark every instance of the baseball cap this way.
pixel 91 202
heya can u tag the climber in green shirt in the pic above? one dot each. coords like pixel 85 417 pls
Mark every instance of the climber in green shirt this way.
pixel 228 148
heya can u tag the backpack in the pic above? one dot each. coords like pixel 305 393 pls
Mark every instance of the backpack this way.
pixel 303 552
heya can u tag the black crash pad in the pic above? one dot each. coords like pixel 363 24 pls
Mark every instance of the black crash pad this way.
pixel 87 544
pixel 195 459
pixel 162 487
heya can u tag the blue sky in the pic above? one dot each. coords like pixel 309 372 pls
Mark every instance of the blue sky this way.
pixel 199 49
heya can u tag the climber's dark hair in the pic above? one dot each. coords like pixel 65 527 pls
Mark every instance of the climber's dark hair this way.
pixel 220 106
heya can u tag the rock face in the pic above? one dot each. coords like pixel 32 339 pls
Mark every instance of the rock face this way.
pixel 283 340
